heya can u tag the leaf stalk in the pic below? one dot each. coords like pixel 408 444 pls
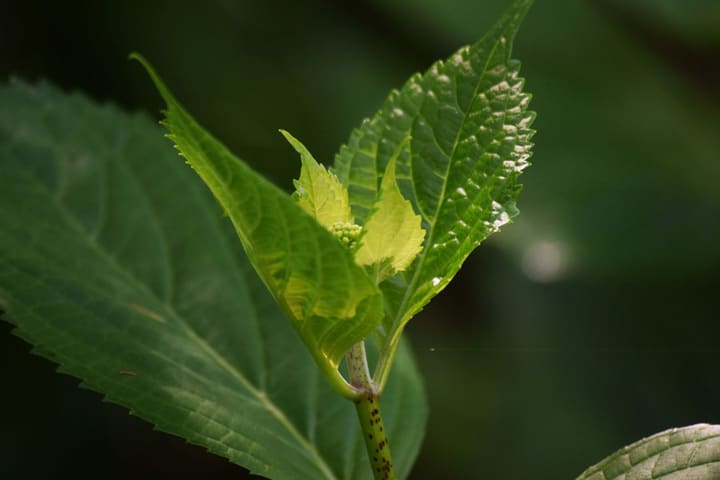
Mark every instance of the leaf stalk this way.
pixel 385 361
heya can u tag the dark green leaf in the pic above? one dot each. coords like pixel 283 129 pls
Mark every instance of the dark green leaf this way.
pixel 116 263
pixel 470 139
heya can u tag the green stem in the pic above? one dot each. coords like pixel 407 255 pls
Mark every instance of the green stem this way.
pixel 358 372
pixel 385 361
pixel 367 405
pixel 376 442
pixel 337 381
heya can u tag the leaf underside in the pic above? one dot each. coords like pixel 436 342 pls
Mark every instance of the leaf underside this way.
pixel 115 259
pixel 688 453
pixel 469 131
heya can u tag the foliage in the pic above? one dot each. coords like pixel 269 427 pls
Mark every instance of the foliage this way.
pixel 455 139
pixel 114 264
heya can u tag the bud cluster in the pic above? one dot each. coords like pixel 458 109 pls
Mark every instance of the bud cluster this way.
pixel 348 233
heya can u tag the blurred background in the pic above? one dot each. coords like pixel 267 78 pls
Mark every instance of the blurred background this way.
pixel 590 322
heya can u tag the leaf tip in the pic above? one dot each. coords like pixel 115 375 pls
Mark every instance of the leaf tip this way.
pixel 155 77
pixel 136 56
pixel 295 143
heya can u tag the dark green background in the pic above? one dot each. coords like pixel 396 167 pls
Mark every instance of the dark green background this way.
pixel 589 323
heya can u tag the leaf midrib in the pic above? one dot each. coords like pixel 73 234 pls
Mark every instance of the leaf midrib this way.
pixel 260 395
pixel 410 291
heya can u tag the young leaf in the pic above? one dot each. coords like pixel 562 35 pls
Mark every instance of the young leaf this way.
pixel 689 453
pixel 470 139
pixel 115 259
pixel 331 301
pixel 319 192
pixel 393 236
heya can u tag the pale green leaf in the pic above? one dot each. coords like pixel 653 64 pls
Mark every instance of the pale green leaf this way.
pixel 470 139
pixel 318 191
pixel 689 453
pixel 331 301
pixel 116 263
pixel 393 235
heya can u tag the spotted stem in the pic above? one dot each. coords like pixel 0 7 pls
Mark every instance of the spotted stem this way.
pixel 367 405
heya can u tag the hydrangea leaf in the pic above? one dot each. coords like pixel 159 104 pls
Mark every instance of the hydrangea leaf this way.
pixel 470 134
pixel 318 191
pixel 393 235
pixel 330 300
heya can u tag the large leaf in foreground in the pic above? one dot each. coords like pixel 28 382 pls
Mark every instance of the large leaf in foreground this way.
pixel 116 263
pixel 331 301
pixel 689 453
pixel 470 139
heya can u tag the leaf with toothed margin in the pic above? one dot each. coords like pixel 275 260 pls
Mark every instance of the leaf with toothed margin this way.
pixel 318 191
pixel 688 453
pixel 330 300
pixel 116 263
pixel 393 236
pixel 470 134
